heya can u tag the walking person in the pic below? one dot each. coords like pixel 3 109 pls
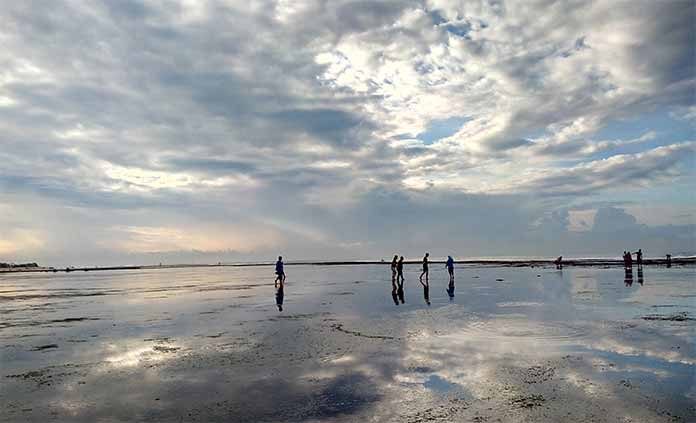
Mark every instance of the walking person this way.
pixel 280 272
pixel 425 268
pixel 450 268
pixel 400 270
pixel 393 267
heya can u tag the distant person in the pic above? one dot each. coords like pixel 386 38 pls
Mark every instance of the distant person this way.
pixel 559 262
pixel 639 257
pixel 280 294
pixel 400 269
pixel 668 258
pixel 629 260
pixel 450 268
pixel 280 272
pixel 425 268
pixel 393 267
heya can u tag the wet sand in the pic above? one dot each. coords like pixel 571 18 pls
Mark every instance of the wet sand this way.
pixel 514 344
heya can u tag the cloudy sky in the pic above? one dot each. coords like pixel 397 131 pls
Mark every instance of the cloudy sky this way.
pixel 136 132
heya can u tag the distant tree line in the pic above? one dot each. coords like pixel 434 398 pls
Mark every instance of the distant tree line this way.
pixel 10 265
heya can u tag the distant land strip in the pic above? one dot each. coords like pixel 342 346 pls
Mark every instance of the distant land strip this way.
pixel 675 261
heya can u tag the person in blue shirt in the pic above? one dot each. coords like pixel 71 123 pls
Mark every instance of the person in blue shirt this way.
pixel 280 272
pixel 450 267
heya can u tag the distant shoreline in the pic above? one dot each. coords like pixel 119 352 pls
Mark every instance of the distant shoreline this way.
pixel 500 263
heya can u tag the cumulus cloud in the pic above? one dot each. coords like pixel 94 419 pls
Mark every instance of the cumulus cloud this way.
pixel 335 128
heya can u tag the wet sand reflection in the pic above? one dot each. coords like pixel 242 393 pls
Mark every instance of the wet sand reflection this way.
pixel 515 344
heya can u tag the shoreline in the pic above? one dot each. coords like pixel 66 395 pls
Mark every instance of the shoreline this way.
pixel 684 261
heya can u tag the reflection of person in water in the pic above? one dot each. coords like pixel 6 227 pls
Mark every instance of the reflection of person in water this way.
pixel 280 272
pixel 628 277
pixel 450 289
pixel 400 291
pixel 280 293
pixel 393 267
pixel 425 268
pixel 400 270
pixel 426 291
pixel 450 268
pixel 640 275
pixel 394 293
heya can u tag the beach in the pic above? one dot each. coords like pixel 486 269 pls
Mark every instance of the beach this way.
pixel 513 344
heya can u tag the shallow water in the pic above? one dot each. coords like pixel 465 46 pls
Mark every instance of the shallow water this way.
pixel 209 344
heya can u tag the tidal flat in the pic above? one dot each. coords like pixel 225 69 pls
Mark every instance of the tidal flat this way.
pixel 582 344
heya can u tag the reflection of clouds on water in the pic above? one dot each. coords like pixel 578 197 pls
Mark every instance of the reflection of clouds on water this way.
pixel 139 355
pixel 660 349
pixel 584 288
pixel 524 342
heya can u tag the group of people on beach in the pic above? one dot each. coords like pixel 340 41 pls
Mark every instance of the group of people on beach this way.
pixel 628 259
pixel 397 269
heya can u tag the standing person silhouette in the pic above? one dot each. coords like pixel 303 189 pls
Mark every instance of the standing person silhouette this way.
pixel 280 272
pixel 629 260
pixel 425 268
pixel 450 268
pixel 639 257
pixel 400 270
pixel 393 267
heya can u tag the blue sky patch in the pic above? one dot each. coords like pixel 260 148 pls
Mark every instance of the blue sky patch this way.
pixel 442 128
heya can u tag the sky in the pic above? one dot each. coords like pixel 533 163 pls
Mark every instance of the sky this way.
pixel 205 131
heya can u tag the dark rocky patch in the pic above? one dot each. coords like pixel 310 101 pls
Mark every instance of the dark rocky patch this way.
pixel 44 347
